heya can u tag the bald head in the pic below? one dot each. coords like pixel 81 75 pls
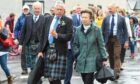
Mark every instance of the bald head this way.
pixel 112 8
pixel 37 7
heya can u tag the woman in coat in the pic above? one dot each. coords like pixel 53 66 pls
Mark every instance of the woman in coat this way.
pixel 86 48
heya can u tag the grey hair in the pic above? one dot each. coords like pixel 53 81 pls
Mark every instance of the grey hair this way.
pixel 59 2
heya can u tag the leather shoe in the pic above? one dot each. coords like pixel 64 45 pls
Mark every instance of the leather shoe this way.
pixel 24 72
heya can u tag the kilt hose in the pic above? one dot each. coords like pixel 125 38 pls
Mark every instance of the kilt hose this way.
pixel 30 59
pixel 57 69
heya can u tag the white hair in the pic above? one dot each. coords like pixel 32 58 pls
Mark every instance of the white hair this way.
pixel 60 3
pixel 37 4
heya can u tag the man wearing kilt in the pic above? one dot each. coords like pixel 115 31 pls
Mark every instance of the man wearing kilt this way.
pixel 30 35
pixel 53 45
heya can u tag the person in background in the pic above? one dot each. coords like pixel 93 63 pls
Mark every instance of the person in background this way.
pixel 17 32
pixel 115 34
pixel 133 25
pixel 52 11
pixel 47 14
pixel 123 50
pixel 55 35
pixel 4 53
pixel 76 21
pixel 99 18
pixel 9 24
pixel 1 23
pixel 76 16
pixel 85 47
pixel 30 36
pixel 138 37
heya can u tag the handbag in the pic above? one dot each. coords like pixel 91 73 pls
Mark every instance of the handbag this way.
pixel 52 54
pixel 104 74
pixel 8 42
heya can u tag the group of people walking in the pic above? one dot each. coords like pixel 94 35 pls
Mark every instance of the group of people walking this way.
pixel 75 38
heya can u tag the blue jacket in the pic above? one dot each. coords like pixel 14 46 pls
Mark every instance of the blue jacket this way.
pixel 75 21
pixel 19 25
pixel 122 34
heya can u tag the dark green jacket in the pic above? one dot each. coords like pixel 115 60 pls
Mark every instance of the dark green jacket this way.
pixel 85 48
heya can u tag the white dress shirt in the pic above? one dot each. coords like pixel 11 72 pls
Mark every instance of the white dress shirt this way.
pixel 115 23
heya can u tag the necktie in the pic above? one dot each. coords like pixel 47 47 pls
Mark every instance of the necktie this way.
pixel 35 18
pixel 50 38
pixel 112 26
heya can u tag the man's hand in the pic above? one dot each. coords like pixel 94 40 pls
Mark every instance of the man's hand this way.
pixel 53 33
pixel 16 41
pixel 104 62
pixel 40 54
pixel 20 49
pixel 126 45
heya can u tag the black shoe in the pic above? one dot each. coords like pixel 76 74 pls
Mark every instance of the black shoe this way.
pixel 24 72
pixel 117 77
pixel 39 82
pixel 121 69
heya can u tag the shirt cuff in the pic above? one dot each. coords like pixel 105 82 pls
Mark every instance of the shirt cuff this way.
pixel 56 36
pixel 20 46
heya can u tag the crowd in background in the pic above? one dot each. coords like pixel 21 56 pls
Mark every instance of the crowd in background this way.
pixel 82 23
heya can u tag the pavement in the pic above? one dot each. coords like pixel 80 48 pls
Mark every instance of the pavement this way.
pixel 130 74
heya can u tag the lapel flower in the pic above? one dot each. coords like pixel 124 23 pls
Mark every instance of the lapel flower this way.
pixel 62 23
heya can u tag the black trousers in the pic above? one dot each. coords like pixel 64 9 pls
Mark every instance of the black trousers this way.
pixel 23 60
pixel 123 50
pixel 55 82
pixel 88 78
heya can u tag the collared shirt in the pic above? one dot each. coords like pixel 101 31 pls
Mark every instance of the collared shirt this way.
pixel 37 17
pixel 115 23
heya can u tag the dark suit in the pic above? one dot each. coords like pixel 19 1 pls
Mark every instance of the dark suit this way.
pixel 113 43
pixel 27 29
pixel 64 35
pixel 26 38
pixel 75 20
pixel 57 68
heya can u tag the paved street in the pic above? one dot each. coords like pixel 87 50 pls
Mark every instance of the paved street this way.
pixel 130 74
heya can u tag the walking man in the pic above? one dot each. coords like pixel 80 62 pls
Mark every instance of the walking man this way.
pixel 56 33
pixel 115 33
pixel 30 36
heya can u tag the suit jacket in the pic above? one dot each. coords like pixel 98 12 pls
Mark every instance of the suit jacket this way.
pixel 27 29
pixel 64 34
pixel 75 21
pixel 122 34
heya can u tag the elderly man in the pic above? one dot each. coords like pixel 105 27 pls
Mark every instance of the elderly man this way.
pixel 115 33
pixel 30 35
pixel 56 33
pixel 17 31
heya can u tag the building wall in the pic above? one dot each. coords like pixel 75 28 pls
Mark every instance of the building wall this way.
pixel 8 6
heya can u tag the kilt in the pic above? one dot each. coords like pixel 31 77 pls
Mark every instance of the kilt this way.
pixel 56 69
pixel 30 59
